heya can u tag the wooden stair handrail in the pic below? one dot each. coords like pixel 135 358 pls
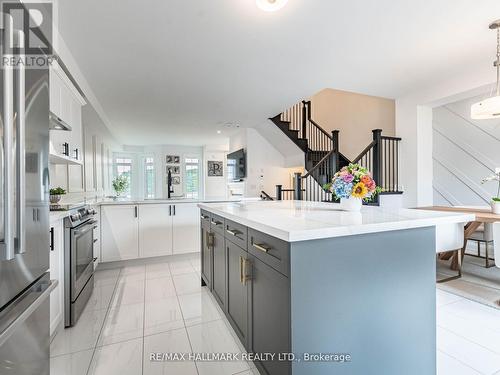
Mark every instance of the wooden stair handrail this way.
pixel 319 163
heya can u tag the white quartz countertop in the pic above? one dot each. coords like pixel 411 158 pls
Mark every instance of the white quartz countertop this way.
pixel 301 220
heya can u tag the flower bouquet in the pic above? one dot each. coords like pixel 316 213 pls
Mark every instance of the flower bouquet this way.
pixel 353 185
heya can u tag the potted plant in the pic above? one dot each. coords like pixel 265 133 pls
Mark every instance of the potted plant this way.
pixel 495 201
pixel 353 185
pixel 121 184
pixel 55 194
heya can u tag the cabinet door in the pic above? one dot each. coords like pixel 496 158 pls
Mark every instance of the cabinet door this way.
pixel 76 132
pixel 119 232
pixel 206 255
pixel 155 230
pixel 186 228
pixel 57 273
pixel 55 93
pixel 66 99
pixel 270 315
pixel 219 276
pixel 237 291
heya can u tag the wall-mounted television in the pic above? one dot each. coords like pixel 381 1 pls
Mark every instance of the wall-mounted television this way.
pixel 236 165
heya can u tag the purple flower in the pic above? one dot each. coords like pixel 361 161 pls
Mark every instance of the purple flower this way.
pixel 348 178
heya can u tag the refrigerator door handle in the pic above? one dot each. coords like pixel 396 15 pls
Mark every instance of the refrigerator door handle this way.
pixel 8 252
pixel 21 147
pixel 11 328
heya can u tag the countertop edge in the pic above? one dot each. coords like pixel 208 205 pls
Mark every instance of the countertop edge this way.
pixel 348 230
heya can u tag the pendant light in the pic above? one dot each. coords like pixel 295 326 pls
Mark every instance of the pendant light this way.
pixel 271 5
pixel 490 108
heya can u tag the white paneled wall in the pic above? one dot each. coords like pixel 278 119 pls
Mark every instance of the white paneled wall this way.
pixel 464 151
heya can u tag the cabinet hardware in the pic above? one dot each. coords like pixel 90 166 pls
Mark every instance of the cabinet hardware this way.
pixel 241 269
pixel 204 217
pixel 76 153
pixel 95 259
pixel 246 277
pixel 52 239
pixel 214 222
pixel 136 213
pixel 263 248
pixel 174 209
pixel 66 148
pixel 233 232
pixel 210 239
pixel 169 210
pixel 95 240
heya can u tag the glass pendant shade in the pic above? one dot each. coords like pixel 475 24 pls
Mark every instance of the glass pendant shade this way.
pixel 271 5
pixel 486 109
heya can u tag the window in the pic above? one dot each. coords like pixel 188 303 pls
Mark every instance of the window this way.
pixel 149 177
pixel 192 177
pixel 123 166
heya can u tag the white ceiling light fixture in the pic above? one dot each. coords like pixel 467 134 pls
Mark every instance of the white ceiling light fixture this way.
pixel 490 108
pixel 271 5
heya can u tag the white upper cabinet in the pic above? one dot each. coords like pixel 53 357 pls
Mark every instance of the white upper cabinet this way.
pixel 66 103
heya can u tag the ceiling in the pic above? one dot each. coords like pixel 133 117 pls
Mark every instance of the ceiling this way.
pixel 176 71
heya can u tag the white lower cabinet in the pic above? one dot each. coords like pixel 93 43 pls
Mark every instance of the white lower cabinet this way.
pixel 56 265
pixel 119 232
pixel 155 230
pixel 186 228
pixel 158 230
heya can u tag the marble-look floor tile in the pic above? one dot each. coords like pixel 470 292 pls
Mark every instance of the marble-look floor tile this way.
pixel 101 297
pixel 198 308
pixel 124 358
pixel 156 270
pixel 159 288
pixel 82 336
pixel 123 323
pixel 128 292
pixel 444 298
pixel 214 337
pixel 162 315
pixel 71 364
pixel 106 277
pixel 475 356
pixel 133 273
pixel 447 365
pixel 187 283
pixel 181 267
pixel 175 341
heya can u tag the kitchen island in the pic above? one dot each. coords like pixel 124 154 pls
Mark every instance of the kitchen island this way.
pixel 346 293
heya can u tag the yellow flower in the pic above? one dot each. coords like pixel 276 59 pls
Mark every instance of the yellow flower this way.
pixel 359 190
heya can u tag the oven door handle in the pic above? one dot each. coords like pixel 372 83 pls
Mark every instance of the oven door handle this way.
pixel 79 232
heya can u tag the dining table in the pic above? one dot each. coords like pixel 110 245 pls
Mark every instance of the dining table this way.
pixel 482 216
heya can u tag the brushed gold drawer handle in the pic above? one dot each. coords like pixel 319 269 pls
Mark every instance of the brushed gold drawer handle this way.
pixel 204 217
pixel 233 232
pixel 216 222
pixel 262 248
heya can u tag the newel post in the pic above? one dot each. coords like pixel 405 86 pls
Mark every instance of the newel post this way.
pixel 279 192
pixel 336 153
pixel 297 182
pixel 377 156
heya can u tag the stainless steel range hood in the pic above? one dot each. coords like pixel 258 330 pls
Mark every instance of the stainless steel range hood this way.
pixel 56 123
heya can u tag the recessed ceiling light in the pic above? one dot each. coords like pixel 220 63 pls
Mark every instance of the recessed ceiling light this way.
pixel 271 5
pixel 218 131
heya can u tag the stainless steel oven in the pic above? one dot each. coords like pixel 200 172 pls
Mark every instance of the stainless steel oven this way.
pixel 78 262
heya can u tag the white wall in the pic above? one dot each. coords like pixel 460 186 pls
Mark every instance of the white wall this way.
pixel 266 166
pixel 215 186
pixel 464 152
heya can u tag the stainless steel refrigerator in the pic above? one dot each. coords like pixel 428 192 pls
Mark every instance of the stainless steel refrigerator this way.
pixel 24 217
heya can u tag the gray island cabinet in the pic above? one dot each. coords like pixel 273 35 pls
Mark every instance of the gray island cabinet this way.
pixel 308 279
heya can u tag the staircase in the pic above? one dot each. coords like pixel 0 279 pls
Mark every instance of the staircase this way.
pixel 323 157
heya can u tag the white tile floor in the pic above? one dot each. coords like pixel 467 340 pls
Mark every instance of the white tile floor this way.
pixel 161 307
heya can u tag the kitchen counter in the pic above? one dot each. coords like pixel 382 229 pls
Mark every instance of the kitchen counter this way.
pixel 315 279
pixel 301 220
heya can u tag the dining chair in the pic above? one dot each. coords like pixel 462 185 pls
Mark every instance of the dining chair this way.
pixel 496 242
pixel 450 237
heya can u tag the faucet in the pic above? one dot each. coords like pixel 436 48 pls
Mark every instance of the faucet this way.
pixel 170 188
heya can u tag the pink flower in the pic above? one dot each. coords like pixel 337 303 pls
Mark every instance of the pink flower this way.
pixel 348 178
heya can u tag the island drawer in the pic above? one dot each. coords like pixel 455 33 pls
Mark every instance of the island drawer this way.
pixel 236 233
pixel 205 219
pixel 217 223
pixel 270 250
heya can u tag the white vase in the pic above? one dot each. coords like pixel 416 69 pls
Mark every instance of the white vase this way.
pixel 351 204
pixel 495 207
